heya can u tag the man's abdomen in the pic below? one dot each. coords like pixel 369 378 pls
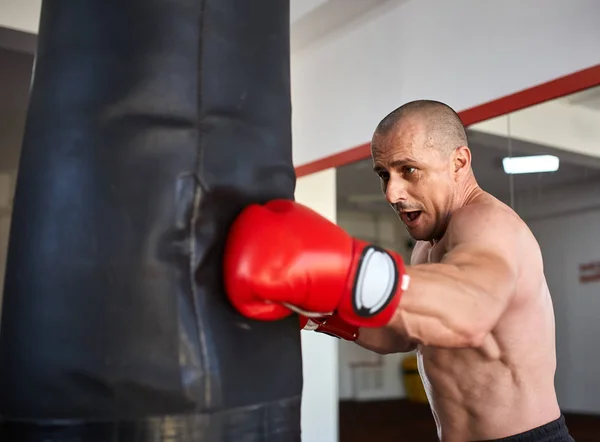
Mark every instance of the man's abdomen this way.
pixel 475 398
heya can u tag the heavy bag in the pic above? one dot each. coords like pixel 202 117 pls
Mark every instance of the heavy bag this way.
pixel 151 124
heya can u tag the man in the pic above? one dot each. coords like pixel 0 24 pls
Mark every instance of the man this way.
pixel 474 301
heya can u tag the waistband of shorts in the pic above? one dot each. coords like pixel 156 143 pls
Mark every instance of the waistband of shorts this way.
pixel 554 431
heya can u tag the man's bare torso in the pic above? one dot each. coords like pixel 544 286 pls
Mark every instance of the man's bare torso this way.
pixel 506 386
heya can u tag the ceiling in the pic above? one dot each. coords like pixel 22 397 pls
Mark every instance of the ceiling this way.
pixel 312 20
pixel 358 186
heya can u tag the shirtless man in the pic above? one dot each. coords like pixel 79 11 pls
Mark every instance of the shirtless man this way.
pixel 473 302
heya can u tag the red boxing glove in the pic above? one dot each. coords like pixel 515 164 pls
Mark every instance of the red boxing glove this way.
pixel 330 325
pixel 282 257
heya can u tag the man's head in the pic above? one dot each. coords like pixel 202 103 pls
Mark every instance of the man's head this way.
pixel 421 156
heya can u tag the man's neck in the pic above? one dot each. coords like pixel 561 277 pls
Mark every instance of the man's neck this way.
pixel 465 194
pixel 468 192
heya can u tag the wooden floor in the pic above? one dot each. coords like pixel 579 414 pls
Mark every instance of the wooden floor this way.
pixel 403 421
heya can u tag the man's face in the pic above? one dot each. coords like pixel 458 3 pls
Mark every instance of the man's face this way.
pixel 417 179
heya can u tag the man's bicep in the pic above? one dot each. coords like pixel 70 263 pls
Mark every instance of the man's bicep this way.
pixel 478 263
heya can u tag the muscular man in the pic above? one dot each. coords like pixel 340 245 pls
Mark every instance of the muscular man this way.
pixel 473 302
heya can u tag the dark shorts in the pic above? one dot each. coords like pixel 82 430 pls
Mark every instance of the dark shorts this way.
pixel 555 431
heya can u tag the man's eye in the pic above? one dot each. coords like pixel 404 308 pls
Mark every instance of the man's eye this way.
pixel 384 175
pixel 409 170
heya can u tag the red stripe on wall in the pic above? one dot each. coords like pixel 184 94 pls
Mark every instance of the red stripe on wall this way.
pixel 560 87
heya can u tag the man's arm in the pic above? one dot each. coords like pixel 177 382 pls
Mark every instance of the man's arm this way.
pixel 459 301
pixel 282 257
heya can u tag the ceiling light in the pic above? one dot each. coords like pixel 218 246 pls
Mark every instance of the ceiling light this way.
pixel 532 164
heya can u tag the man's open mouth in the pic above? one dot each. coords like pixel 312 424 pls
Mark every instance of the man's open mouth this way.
pixel 410 217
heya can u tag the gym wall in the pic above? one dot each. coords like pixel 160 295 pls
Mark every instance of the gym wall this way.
pixel 364 375
pixel 477 51
pixel 319 352
pixel 22 15
pixel 565 224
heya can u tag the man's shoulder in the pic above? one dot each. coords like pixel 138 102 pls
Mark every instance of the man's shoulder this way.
pixel 486 212
pixel 486 218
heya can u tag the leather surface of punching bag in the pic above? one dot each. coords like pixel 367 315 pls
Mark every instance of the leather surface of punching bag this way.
pixel 151 124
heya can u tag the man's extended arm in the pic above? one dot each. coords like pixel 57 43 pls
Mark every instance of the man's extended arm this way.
pixel 457 302
pixel 283 257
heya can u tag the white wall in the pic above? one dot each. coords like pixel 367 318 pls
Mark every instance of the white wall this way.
pixel 381 378
pixel 22 15
pixel 319 352
pixel 566 226
pixel 300 8
pixel 463 52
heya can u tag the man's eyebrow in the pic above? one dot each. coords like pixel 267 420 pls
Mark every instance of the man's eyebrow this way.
pixel 395 164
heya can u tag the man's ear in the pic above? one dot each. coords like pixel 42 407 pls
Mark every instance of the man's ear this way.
pixel 462 161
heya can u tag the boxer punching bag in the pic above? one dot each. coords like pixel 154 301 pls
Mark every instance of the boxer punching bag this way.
pixel 151 124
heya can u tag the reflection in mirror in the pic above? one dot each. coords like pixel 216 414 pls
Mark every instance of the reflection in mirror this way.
pixel 544 162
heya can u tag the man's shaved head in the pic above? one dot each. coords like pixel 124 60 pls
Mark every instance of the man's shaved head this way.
pixel 421 156
pixel 441 123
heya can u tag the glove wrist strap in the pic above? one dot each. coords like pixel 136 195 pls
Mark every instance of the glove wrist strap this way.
pixel 334 326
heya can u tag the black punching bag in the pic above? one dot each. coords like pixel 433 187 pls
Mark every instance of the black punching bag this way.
pixel 151 124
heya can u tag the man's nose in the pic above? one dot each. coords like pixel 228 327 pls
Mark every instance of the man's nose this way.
pixel 395 192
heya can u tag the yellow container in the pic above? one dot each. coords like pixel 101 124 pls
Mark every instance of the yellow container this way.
pixel 412 381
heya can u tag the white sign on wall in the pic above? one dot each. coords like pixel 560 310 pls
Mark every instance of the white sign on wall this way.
pixel 589 272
